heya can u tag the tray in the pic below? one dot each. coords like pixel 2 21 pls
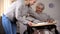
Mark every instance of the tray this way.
pixel 43 23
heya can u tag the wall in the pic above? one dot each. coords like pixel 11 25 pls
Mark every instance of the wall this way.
pixel 1 6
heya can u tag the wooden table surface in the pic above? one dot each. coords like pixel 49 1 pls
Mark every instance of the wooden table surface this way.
pixel 43 23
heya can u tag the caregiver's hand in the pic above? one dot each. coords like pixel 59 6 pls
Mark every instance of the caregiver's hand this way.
pixel 30 23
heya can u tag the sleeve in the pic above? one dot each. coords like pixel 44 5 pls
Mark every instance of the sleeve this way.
pixel 19 16
pixel 29 18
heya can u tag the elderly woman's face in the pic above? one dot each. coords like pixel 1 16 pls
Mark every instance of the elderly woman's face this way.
pixel 39 8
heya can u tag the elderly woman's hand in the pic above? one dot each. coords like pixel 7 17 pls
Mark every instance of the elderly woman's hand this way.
pixel 50 21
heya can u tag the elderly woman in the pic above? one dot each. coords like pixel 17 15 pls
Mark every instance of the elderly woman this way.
pixel 16 12
pixel 38 16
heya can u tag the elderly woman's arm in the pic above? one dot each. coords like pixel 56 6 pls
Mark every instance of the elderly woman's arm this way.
pixel 30 18
pixel 50 20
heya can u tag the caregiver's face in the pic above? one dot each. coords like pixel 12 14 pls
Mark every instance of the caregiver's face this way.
pixel 32 2
pixel 26 2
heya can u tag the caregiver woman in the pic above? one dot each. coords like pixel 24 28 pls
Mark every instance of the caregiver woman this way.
pixel 17 10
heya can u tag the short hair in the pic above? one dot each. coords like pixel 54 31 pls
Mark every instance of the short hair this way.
pixel 40 4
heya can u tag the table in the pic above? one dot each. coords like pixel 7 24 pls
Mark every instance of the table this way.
pixel 43 24
pixel 48 26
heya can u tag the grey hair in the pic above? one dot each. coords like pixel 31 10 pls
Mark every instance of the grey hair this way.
pixel 38 4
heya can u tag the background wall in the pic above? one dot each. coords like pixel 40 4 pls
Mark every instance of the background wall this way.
pixel 1 6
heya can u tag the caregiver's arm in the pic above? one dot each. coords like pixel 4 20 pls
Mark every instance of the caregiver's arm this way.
pixel 32 19
pixel 19 17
